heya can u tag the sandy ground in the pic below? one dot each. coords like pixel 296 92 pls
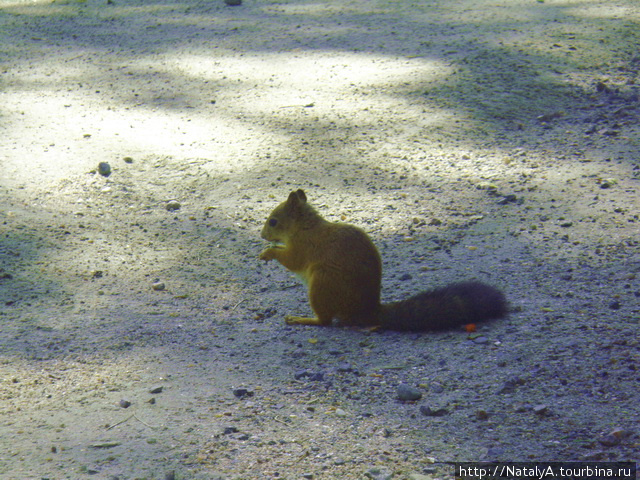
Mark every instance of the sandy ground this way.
pixel 140 337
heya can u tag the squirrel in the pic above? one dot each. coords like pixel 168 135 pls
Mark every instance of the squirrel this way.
pixel 342 270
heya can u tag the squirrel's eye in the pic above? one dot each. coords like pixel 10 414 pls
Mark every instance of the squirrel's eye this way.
pixel 273 222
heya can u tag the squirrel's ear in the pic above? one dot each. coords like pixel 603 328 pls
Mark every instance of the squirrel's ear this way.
pixel 297 197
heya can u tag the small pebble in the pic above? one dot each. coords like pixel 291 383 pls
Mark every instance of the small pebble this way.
pixel 550 116
pixel 609 440
pixel 312 376
pixel 242 393
pixel 408 393
pixel 433 412
pixel 495 453
pixel 511 384
pixel 521 407
pixel 346 368
pixel 173 205
pixel 158 286
pixel 437 388
pixel 607 182
pixel 233 3
pixel 486 186
pixel 593 457
pixel 104 169
pixel 506 199
pixel 376 473
pixel 541 409
pixel 620 433
pixel 482 414
pixel 419 476
pixel 614 437
pixel 155 390
pixel 4 275
pixel 124 403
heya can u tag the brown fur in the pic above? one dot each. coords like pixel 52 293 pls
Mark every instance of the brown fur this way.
pixel 342 269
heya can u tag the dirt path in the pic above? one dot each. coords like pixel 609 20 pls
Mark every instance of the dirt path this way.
pixel 140 337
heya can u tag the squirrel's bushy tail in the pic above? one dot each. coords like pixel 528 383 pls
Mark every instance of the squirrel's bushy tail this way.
pixel 446 307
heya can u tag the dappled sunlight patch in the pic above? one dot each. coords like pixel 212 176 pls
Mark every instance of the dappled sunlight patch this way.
pixel 596 9
pixel 324 8
pixel 66 8
pixel 35 385
pixel 310 75
pixel 193 105
pixel 312 95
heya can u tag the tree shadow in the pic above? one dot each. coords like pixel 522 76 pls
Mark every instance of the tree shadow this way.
pixel 498 76
pixel 171 58
pixel 429 59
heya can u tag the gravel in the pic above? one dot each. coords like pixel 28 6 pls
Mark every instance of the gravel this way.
pixel 472 140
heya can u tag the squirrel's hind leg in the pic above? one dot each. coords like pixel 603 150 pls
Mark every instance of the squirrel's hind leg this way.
pixel 321 306
pixel 322 298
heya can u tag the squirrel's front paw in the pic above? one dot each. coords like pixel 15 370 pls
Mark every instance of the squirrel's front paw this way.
pixel 267 255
